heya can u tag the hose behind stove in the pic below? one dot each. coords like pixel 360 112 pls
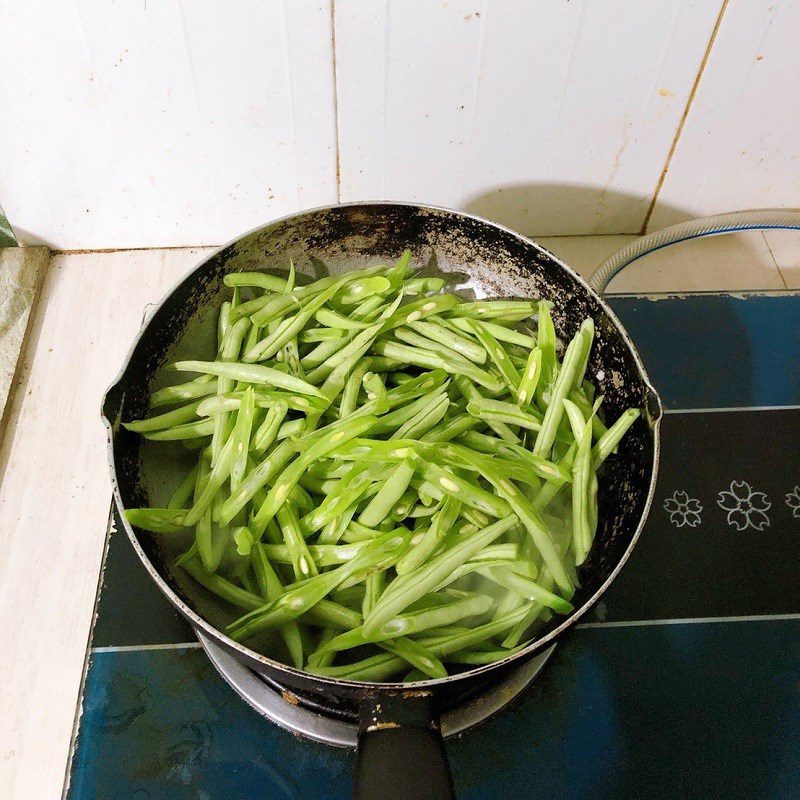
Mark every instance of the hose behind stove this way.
pixel 785 219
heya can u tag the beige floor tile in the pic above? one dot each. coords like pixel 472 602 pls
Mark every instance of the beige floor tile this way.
pixel 584 253
pixel 785 248
pixel 734 262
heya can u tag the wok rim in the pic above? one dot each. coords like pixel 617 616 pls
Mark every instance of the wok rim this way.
pixel 196 621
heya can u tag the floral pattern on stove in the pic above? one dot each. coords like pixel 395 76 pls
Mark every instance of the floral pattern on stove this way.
pixel 793 501
pixel 746 508
pixel 683 510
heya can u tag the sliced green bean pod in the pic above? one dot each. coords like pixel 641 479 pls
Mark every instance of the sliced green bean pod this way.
pixel 259 280
pixel 250 373
pixel 498 356
pixel 407 589
pixel 158 520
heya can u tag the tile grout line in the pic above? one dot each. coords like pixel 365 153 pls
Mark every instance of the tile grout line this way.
pixel 135 648
pixel 687 108
pixel 730 409
pixel 633 623
pixel 337 152
pixel 774 260
pixel 645 623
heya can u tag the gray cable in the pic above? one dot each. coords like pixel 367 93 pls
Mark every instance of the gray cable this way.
pixel 693 229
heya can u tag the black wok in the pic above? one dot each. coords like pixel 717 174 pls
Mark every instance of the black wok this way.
pixel 401 751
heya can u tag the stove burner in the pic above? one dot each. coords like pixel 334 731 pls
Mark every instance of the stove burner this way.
pixel 323 724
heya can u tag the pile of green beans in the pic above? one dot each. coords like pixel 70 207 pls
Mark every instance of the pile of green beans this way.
pixel 390 482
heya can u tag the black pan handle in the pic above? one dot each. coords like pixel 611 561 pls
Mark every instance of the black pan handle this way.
pixel 401 754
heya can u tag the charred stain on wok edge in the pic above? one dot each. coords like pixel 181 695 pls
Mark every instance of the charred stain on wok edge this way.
pixel 503 264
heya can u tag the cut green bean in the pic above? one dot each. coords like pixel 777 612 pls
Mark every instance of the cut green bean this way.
pixel 241 437
pixel 533 523
pixel 258 478
pixel 500 411
pixel 158 520
pixel 530 377
pixel 250 373
pixel 412 337
pixel 289 477
pixel 425 420
pixel 435 329
pixel 529 589
pixel 222 587
pixel 430 360
pixel 289 328
pixel 417 286
pixel 376 390
pixel 565 380
pixel 428 541
pixel 315 335
pixel 352 388
pixel 498 356
pixel 325 350
pixel 448 614
pixel 375 583
pixel 420 309
pixel 169 420
pixel 500 332
pixel 356 347
pixel 296 601
pixel 581 479
pixel 391 491
pixel 609 440
pixel 181 496
pixel 466 491
pixel 190 430
pixel 510 310
pixel 302 561
pixel 408 588
pixel 546 337
pixel 331 319
pixel 268 430
pixel 203 386
pixel 417 655
pixel 471 393
pixel 361 288
pixel 271 588
pixel 260 280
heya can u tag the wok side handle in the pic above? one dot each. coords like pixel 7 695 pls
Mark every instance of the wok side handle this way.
pixel 112 402
pixel 401 753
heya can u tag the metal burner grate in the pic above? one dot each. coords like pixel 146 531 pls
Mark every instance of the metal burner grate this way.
pixel 321 724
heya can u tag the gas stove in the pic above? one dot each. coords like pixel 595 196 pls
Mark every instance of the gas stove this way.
pixel 681 683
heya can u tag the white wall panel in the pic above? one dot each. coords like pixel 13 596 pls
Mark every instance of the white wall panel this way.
pixel 740 146
pixel 137 124
pixel 555 117
pixel 175 122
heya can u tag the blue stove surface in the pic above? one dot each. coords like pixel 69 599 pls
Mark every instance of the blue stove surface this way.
pixel 683 684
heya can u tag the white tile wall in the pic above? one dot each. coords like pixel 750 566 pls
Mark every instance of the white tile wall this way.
pixel 554 118
pixel 172 122
pixel 740 146
pixel 163 123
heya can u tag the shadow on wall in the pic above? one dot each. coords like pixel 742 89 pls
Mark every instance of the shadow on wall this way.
pixel 545 209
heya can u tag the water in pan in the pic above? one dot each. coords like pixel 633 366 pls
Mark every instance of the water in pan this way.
pixel 479 261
